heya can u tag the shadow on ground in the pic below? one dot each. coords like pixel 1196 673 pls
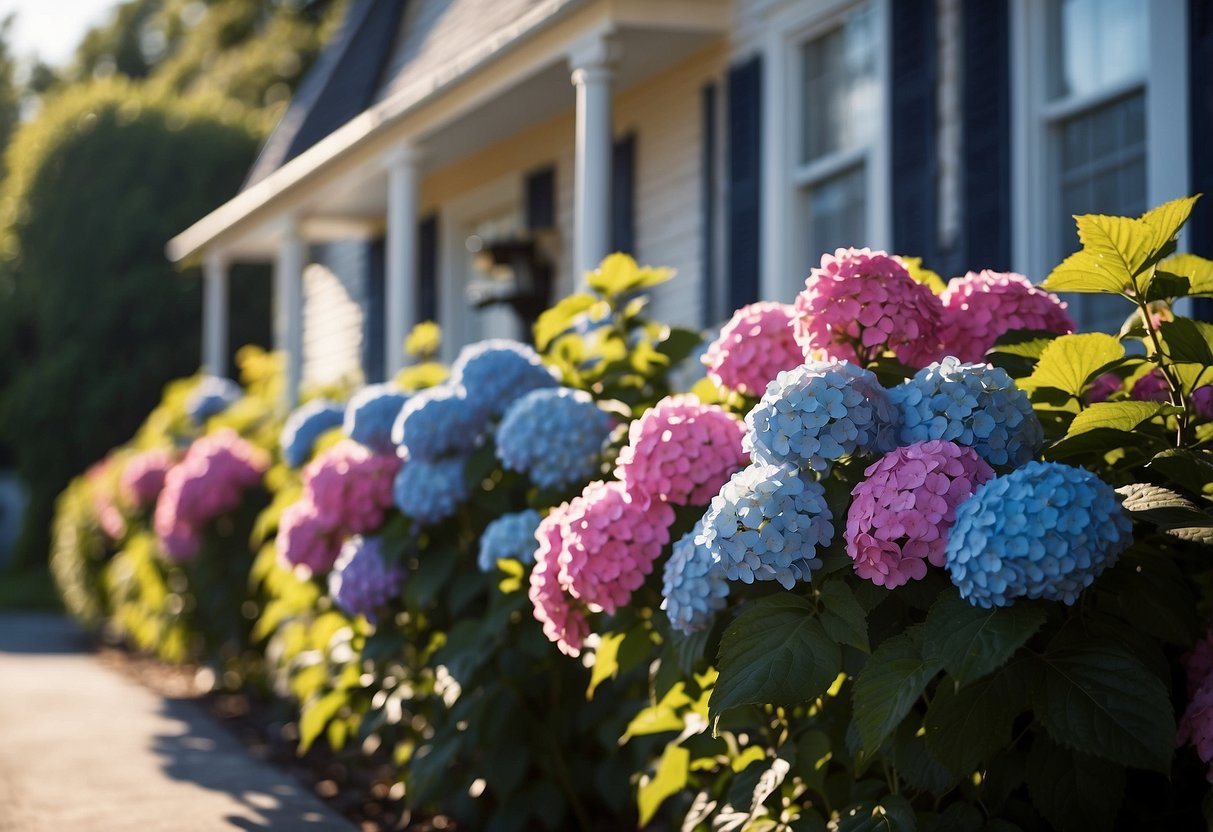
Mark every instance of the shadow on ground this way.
pixel 202 755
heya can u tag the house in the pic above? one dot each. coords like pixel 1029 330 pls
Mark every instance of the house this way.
pixel 446 153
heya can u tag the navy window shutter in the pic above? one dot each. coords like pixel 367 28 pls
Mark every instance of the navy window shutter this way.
pixel 427 269
pixel 372 319
pixel 744 181
pixel 540 187
pixel 1200 127
pixel 986 99
pixel 623 195
pixel 914 71
pixel 708 203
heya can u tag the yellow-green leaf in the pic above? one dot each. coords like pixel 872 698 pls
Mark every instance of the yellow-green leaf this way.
pixel 921 274
pixel 1198 270
pixel 606 661
pixel 1071 361
pixel 669 779
pixel 316 715
pixel 559 318
pixel 1124 416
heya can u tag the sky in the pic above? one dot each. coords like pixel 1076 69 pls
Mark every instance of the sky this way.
pixel 51 29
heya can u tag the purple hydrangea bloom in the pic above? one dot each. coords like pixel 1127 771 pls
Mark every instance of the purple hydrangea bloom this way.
pixel 362 581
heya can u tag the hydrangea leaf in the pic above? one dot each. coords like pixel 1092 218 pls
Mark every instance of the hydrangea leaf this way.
pixel 842 616
pixel 1198 270
pixel 1160 506
pixel 1191 469
pixel 921 274
pixel 1122 416
pixel 1104 701
pixel 893 813
pixel 971 642
pixel 1071 361
pixel 560 317
pixel 966 725
pixel 606 661
pixel 893 679
pixel 1162 285
pixel 317 714
pixel 669 779
pixel 776 651
pixel 1074 791
pixel 1153 596
pixel 1188 341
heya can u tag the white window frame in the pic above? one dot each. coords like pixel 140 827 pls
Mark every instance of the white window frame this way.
pixel 1037 230
pixel 789 26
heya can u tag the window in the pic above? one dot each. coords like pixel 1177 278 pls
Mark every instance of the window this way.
pixel 839 97
pixel 1091 78
pixel 825 136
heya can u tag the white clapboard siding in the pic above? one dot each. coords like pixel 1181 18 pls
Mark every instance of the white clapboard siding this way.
pixel 333 315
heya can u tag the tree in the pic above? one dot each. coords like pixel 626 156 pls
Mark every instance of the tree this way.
pixel 97 319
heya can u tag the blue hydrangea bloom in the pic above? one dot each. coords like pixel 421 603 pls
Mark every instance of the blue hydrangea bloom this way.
pixel 766 524
pixel 497 373
pixel 370 414
pixel 1045 530
pixel 361 581
pixel 554 436
pixel 695 587
pixel 304 426
pixel 818 413
pixel 437 422
pixel 509 536
pixel 970 404
pixel 211 396
pixel 430 491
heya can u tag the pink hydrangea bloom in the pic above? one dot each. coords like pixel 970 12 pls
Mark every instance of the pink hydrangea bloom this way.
pixel 209 481
pixel 563 619
pixel 1198 664
pixel 351 486
pixel 753 347
pixel 594 552
pixel 902 511
pixel 143 476
pixel 681 451
pixel 1152 387
pixel 306 538
pixel 1103 387
pixel 859 303
pixel 981 306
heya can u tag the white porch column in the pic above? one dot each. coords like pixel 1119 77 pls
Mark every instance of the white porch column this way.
pixel 214 314
pixel 592 70
pixel 288 307
pixel 401 255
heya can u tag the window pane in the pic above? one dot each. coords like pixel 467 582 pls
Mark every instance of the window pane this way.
pixel 838 104
pixel 836 214
pixel 1095 44
pixel 1102 170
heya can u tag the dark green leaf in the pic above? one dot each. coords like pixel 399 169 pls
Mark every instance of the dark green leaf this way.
pixel 893 813
pixel 813 754
pixel 971 642
pixel 776 651
pixel 915 765
pixel 1075 792
pixel 967 725
pixel 842 616
pixel 1097 441
pixel 959 817
pixel 1104 701
pixel 1187 341
pixel 1190 469
pixel 678 344
pixel 1150 592
pixel 1162 285
pixel 893 679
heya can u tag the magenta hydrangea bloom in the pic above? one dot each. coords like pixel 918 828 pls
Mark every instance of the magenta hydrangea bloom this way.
pixel 143 476
pixel 1202 400
pixel 859 303
pixel 594 552
pixel 210 481
pixel 753 347
pixel 1103 387
pixel 1196 724
pixel 306 537
pixel 901 513
pixel 981 306
pixel 564 620
pixel 351 486
pixel 1152 387
pixel 681 451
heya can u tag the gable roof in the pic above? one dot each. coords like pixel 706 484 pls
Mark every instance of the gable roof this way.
pixel 341 84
